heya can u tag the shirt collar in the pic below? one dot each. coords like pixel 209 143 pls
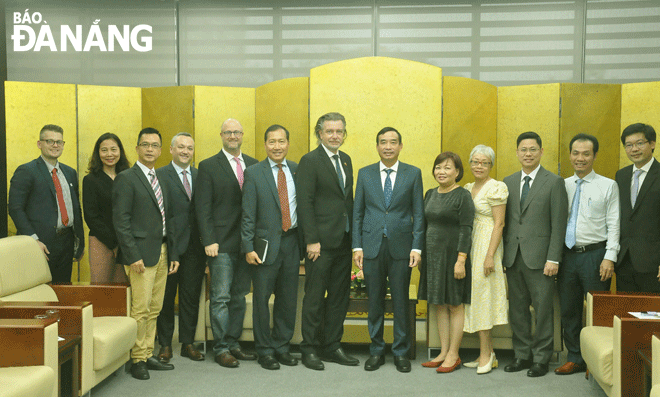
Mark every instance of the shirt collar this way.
pixel 50 166
pixel 646 166
pixel 179 169
pixel 231 156
pixel 274 164
pixel 143 167
pixel 394 168
pixel 328 152
pixel 531 174
pixel 587 178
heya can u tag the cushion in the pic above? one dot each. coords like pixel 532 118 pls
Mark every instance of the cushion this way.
pixel 40 293
pixel 27 381
pixel 597 346
pixel 22 265
pixel 113 337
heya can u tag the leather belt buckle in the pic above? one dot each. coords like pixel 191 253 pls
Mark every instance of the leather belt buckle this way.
pixel 581 249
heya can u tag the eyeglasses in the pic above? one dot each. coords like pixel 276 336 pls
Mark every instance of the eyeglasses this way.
pixel 145 145
pixel 51 142
pixel 230 133
pixel 636 145
pixel 475 163
pixel 531 150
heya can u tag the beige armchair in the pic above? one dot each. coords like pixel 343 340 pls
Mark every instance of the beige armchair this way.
pixel 29 359
pixel 655 374
pixel 107 331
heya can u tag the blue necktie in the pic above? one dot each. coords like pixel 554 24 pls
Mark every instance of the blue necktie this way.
pixel 525 190
pixel 635 187
pixel 572 220
pixel 388 194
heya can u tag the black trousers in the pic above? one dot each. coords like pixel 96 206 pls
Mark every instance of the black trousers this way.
pixel 188 280
pixel 630 280
pixel 323 317
pixel 60 259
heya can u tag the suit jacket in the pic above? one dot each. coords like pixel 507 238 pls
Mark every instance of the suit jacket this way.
pixel 97 207
pixel 262 215
pixel 181 213
pixel 323 208
pixel 32 202
pixel 137 219
pixel 404 217
pixel 640 226
pixel 539 227
pixel 218 199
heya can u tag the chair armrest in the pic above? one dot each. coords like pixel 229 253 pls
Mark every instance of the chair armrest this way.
pixel 655 352
pixel 602 306
pixel 71 315
pixel 28 342
pixel 108 299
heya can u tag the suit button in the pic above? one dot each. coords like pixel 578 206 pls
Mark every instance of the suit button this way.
pixel 387 212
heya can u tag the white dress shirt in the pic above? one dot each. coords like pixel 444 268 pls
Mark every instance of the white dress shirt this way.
pixel 598 215
pixel 232 162
pixel 383 174
pixel 179 172
pixel 531 175
pixel 645 170
pixel 332 160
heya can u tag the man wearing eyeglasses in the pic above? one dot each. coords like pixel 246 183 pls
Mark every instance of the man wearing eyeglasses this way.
pixel 536 218
pixel 139 207
pixel 639 187
pixel 218 200
pixel 43 203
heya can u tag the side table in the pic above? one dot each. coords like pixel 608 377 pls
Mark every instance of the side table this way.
pixel 69 367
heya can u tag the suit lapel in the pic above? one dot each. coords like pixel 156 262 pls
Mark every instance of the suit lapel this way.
pixel 143 178
pixel 516 192
pixel 330 167
pixel 624 188
pixel 47 177
pixel 537 184
pixel 226 167
pixel 270 180
pixel 401 180
pixel 174 177
pixel 651 176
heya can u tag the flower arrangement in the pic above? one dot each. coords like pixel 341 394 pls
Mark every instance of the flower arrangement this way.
pixel 357 280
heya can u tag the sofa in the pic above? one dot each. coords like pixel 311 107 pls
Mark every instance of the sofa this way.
pixel 29 359
pixel 98 313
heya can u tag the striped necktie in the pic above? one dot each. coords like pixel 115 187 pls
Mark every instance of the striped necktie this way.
pixel 159 196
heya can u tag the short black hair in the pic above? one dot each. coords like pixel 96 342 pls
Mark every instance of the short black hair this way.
pixel 275 127
pixel 385 130
pixel 647 130
pixel 584 137
pixel 149 131
pixel 458 164
pixel 529 135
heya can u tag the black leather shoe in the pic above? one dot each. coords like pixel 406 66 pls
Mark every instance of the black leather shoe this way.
pixel 286 359
pixel 154 364
pixel 338 356
pixel 374 362
pixel 268 362
pixel 402 364
pixel 537 370
pixel 518 365
pixel 243 356
pixel 139 370
pixel 312 361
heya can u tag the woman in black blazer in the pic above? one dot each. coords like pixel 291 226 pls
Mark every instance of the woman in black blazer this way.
pixel 108 159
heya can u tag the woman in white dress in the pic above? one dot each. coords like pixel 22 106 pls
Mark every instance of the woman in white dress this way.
pixel 489 305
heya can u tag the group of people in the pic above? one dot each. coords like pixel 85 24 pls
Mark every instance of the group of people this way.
pixel 251 222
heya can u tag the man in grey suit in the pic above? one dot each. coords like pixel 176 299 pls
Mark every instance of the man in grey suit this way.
pixel 388 233
pixel 269 213
pixel 536 218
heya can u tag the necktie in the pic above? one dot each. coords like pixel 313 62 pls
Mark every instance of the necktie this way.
pixel 186 184
pixel 284 198
pixel 525 190
pixel 60 198
pixel 635 187
pixel 159 196
pixel 572 220
pixel 239 172
pixel 339 173
pixel 388 194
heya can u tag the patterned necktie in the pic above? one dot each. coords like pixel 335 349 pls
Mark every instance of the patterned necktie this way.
pixel 186 184
pixel 239 172
pixel 388 188
pixel 159 196
pixel 284 198
pixel 525 191
pixel 572 220
pixel 60 198
pixel 635 187
pixel 339 173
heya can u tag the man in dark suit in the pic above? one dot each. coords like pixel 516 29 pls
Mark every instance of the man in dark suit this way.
pixel 43 203
pixel 179 182
pixel 388 234
pixel 536 217
pixel 138 214
pixel 325 209
pixel 269 213
pixel 639 191
pixel 218 205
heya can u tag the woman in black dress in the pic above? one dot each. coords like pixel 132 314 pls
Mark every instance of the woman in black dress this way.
pixel 108 159
pixel 449 213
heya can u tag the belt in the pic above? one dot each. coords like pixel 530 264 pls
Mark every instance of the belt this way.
pixel 290 232
pixel 63 231
pixel 587 248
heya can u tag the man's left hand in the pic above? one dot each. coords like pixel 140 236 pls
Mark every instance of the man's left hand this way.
pixel 415 258
pixel 174 266
pixel 606 269
pixel 550 269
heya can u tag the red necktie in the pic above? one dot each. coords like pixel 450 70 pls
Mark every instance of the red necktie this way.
pixel 284 198
pixel 60 198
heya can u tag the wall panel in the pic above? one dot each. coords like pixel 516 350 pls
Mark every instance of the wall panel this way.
pixel 104 109
pixel 640 103
pixel 214 105
pixel 469 118
pixel 284 102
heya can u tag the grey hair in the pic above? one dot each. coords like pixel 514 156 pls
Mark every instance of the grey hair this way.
pixel 178 135
pixel 486 151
